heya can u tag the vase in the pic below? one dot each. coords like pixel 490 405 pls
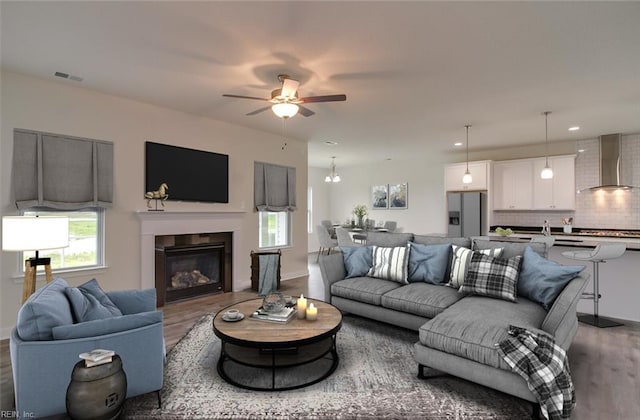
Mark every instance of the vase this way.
pixel 361 222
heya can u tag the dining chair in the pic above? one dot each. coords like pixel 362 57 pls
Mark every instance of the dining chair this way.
pixel 326 242
pixel 344 239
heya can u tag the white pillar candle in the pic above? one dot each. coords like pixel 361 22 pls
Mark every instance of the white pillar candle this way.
pixel 301 306
pixel 312 312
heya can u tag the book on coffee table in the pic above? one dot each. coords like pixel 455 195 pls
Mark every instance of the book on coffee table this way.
pixel 283 316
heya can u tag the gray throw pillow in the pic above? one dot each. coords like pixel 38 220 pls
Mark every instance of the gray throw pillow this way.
pixel 89 302
pixel 542 280
pixel 357 260
pixel 428 263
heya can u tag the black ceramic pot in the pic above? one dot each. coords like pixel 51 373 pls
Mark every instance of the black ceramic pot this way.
pixel 98 392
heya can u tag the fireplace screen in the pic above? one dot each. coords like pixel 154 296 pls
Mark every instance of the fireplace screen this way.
pixel 192 270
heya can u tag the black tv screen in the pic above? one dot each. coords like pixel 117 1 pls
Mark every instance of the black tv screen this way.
pixel 191 175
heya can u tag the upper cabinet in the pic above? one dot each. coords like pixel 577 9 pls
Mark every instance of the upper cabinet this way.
pixel 559 192
pixel 453 174
pixel 517 184
pixel 513 185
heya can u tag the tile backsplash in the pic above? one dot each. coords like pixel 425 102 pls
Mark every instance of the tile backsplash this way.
pixel 598 209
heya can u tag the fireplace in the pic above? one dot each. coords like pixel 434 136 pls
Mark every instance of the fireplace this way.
pixel 192 265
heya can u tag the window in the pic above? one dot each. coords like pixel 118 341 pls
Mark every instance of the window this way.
pixel 274 229
pixel 309 210
pixel 86 229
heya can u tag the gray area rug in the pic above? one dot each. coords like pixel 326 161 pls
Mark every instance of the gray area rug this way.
pixel 376 379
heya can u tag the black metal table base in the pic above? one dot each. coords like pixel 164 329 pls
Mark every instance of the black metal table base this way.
pixel 598 321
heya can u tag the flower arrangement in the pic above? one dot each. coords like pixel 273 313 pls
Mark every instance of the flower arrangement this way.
pixel 360 211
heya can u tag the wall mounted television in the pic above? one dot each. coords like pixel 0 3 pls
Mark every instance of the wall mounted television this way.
pixel 191 175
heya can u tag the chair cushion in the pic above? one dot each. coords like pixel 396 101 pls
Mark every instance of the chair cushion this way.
pixel 89 302
pixel 363 289
pixel 471 327
pixel 460 263
pixel 358 260
pixel 390 263
pixel 105 326
pixel 492 277
pixel 428 263
pixel 510 249
pixel 422 299
pixel 542 280
pixel 47 308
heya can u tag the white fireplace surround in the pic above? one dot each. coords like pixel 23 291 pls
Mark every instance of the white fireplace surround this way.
pixel 158 223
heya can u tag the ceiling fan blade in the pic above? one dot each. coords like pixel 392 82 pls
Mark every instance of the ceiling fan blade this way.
pixel 305 112
pixel 244 97
pixel 257 111
pixel 325 98
pixel 289 88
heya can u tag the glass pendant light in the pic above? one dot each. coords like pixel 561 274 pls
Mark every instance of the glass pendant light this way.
pixel 467 178
pixel 547 172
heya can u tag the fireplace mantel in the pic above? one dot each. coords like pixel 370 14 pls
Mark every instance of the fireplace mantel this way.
pixel 157 223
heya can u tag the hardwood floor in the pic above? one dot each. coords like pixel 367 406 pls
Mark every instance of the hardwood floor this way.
pixel 605 363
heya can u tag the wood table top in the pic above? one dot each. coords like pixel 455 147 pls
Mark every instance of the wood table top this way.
pixel 254 332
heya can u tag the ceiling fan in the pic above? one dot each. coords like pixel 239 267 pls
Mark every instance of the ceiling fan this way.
pixel 285 102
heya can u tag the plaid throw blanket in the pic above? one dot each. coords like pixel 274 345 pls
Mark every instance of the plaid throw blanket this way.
pixel 544 366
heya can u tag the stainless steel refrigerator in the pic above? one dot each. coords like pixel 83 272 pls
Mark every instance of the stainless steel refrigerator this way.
pixel 467 213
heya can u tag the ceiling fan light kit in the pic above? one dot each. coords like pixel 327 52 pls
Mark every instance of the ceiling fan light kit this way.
pixel 467 178
pixel 285 100
pixel 547 172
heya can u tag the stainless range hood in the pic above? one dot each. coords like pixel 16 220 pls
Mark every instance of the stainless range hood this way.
pixel 610 160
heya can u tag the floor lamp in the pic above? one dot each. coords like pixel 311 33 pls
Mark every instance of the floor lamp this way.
pixel 34 233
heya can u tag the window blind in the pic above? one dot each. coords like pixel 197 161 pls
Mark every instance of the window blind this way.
pixel 274 187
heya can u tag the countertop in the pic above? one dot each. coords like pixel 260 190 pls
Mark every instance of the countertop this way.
pixel 564 239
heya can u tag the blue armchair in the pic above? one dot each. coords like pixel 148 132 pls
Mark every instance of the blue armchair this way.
pixel 46 342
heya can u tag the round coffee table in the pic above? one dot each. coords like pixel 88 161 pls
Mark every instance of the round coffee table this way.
pixel 301 352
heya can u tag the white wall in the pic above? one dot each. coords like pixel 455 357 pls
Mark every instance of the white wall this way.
pixel 42 105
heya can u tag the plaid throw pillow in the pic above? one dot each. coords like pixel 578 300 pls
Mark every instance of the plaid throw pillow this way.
pixel 390 263
pixel 460 262
pixel 493 277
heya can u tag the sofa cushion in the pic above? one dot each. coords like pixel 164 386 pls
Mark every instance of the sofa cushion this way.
pixel 358 260
pixel 389 239
pixel 134 301
pixel 422 299
pixel 510 249
pixel 105 326
pixel 390 263
pixel 542 280
pixel 48 307
pixel 431 240
pixel 471 327
pixel 363 289
pixel 492 277
pixel 89 302
pixel 460 263
pixel 428 263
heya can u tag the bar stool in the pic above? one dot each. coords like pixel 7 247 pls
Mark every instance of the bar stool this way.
pixel 600 254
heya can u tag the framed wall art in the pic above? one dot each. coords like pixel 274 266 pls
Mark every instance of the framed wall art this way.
pixel 398 196
pixel 379 197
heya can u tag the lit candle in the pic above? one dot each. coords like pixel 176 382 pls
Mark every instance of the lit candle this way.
pixel 312 312
pixel 301 306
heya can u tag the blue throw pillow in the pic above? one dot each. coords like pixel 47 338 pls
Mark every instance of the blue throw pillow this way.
pixel 428 263
pixel 45 309
pixel 89 302
pixel 357 260
pixel 542 280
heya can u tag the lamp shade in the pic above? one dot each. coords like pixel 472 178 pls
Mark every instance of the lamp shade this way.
pixel 285 110
pixel 32 233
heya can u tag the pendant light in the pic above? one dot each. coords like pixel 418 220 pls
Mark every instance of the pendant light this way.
pixel 333 175
pixel 467 178
pixel 547 172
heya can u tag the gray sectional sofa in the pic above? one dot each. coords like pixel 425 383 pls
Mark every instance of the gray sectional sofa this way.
pixel 458 331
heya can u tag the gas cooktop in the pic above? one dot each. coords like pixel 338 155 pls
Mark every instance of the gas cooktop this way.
pixel 609 233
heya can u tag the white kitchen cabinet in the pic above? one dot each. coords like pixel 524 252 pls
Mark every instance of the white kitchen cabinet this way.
pixel 454 172
pixel 513 185
pixel 559 192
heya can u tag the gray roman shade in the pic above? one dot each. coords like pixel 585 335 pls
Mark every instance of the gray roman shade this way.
pixel 61 172
pixel 274 187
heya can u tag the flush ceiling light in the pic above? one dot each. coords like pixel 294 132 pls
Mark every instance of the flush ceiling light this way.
pixel 467 178
pixel 574 128
pixel 547 172
pixel 285 109
pixel 333 175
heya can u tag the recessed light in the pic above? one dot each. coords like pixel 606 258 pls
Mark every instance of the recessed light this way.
pixel 580 150
pixel 458 144
pixel 330 143
pixel 574 128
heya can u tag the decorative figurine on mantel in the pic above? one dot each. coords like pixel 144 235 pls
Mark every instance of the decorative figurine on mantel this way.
pixel 159 195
